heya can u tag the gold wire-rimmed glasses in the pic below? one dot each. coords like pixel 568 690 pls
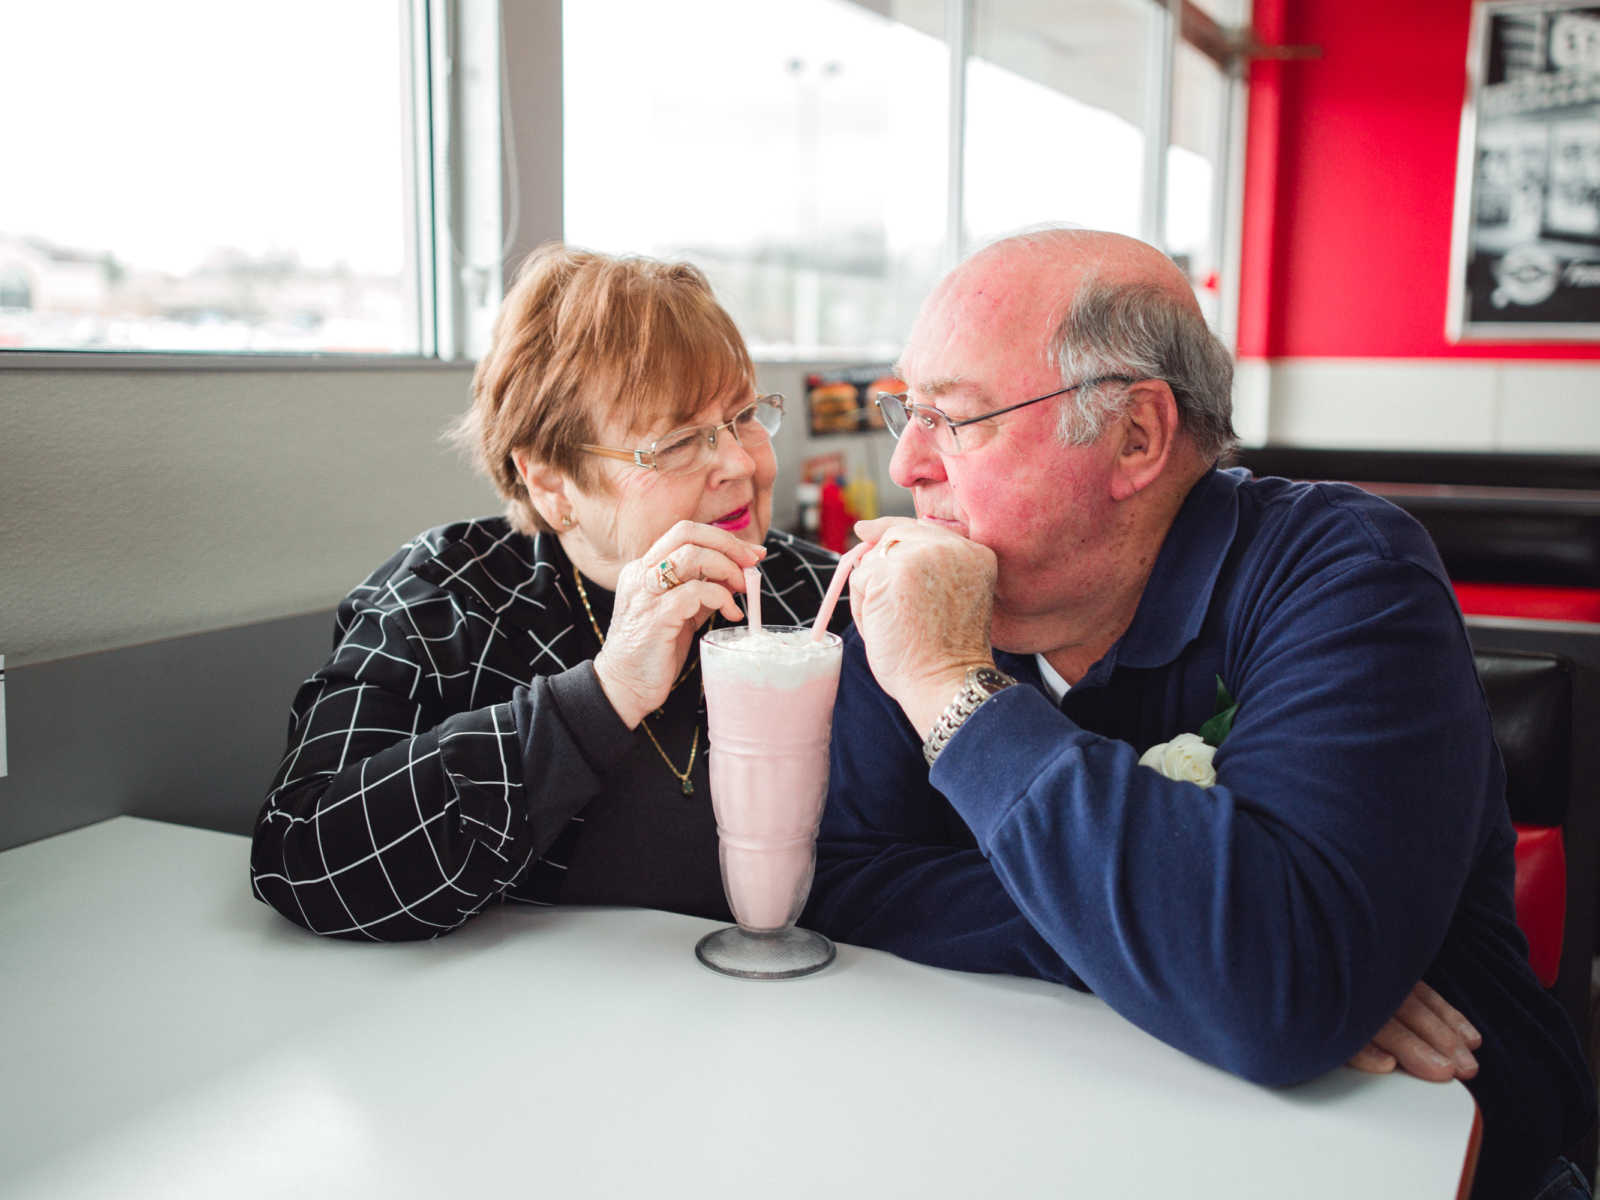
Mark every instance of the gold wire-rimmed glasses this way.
pixel 898 413
pixel 694 446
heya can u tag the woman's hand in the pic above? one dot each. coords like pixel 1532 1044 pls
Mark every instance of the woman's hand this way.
pixel 652 626
pixel 1427 1038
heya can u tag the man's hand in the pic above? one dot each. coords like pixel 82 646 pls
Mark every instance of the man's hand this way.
pixel 922 598
pixel 1427 1038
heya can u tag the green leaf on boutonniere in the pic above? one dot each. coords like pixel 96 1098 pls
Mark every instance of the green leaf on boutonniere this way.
pixel 1214 730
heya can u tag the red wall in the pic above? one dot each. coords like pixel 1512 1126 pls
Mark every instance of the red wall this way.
pixel 1350 166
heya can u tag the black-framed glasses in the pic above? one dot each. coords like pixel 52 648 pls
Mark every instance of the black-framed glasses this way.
pixel 694 446
pixel 898 413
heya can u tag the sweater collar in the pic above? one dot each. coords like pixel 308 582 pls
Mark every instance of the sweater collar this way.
pixel 497 568
pixel 1177 595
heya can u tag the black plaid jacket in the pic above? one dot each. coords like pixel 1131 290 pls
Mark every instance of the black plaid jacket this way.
pixel 442 756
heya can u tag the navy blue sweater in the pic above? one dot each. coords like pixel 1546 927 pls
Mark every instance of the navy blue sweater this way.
pixel 1357 838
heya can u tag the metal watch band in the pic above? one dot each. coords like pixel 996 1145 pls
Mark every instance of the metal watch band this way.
pixel 982 682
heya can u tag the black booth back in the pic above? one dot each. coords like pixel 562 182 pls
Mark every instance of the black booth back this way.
pixel 1496 518
pixel 1530 703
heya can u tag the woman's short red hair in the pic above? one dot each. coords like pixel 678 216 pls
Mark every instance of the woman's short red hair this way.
pixel 582 338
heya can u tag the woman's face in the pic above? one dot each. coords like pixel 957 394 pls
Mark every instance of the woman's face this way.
pixel 617 521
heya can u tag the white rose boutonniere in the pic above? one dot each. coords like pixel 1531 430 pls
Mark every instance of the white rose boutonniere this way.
pixel 1188 756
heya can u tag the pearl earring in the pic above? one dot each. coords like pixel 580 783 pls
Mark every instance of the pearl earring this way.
pixel 566 521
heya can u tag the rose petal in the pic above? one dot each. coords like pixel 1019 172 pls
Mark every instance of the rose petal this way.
pixel 1186 758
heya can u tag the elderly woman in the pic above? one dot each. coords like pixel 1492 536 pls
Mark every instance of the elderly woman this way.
pixel 513 706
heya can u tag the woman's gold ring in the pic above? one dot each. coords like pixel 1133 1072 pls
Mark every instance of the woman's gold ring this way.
pixel 666 575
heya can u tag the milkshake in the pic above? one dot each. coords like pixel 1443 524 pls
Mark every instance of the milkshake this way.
pixel 769 708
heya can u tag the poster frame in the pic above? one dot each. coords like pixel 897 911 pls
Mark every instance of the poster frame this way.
pixel 1538 268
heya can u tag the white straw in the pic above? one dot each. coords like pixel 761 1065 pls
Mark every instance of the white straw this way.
pixel 752 596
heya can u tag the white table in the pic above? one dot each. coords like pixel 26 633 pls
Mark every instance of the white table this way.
pixel 162 1034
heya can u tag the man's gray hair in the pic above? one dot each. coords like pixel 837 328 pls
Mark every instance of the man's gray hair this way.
pixel 1142 330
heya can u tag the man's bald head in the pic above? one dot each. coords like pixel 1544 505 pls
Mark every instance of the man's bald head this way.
pixel 1055 260
pixel 1095 304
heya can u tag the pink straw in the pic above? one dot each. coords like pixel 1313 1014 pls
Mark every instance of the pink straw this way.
pixel 752 597
pixel 840 574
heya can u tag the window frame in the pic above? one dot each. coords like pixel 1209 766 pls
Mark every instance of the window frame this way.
pixel 459 117
pixel 1176 20
pixel 1228 47
pixel 452 138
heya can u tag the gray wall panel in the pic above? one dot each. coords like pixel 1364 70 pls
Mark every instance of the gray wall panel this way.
pixel 187 729
pixel 142 505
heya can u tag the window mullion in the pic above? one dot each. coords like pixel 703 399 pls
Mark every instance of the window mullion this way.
pixel 1227 206
pixel 1159 46
pixel 476 269
pixel 445 177
pixel 958 36
pixel 468 234
pixel 417 146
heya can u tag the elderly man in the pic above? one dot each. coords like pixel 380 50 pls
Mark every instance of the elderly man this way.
pixel 1083 584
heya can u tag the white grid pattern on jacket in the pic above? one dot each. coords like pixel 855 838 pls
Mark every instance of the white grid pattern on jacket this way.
pixel 402 805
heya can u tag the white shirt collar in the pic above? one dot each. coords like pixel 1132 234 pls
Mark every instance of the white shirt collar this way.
pixel 1053 682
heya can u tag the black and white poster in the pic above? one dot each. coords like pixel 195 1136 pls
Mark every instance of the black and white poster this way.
pixel 1526 259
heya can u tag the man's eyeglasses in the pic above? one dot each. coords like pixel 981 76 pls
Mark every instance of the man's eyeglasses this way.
pixel 686 450
pixel 898 413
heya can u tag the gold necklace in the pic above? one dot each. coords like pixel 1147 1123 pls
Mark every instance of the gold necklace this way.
pixel 685 784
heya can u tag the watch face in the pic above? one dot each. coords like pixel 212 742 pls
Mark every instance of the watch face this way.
pixel 989 679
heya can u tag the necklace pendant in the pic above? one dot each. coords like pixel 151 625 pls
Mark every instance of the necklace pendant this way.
pixel 688 787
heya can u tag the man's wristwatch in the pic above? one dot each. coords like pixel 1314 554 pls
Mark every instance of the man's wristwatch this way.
pixel 982 682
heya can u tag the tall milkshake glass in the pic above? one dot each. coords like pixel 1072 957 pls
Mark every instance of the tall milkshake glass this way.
pixel 769 711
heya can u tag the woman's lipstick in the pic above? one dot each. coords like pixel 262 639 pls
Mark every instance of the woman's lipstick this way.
pixel 737 519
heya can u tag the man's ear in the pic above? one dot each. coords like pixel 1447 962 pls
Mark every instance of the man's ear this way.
pixel 1149 432
pixel 547 489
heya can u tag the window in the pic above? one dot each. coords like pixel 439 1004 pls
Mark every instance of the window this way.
pixel 1198 162
pixel 1055 125
pixel 807 155
pixel 794 152
pixel 183 175
pixel 1228 13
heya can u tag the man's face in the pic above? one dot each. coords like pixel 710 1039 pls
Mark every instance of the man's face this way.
pixel 1044 508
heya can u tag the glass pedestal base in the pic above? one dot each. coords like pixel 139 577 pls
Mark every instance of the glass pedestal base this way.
pixel 780 954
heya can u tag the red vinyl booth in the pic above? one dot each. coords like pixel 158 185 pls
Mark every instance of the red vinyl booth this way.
pixel 1542 896
pixel 1530 702
pixel 1529 601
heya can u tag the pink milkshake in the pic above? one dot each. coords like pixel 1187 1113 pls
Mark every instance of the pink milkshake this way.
pixel 769 708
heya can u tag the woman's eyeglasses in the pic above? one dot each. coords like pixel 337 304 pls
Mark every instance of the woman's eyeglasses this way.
pixel 693 447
